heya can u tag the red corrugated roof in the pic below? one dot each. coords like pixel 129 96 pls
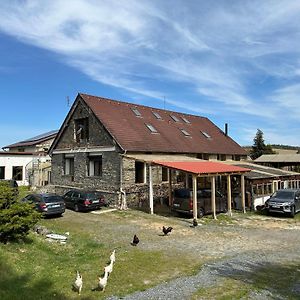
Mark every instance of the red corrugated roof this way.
pixel 131 133
pixel 202 167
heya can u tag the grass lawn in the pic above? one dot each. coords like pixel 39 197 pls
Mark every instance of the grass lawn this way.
pixel 39 269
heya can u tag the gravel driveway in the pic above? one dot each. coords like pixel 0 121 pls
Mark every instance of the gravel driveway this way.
pixel 233 248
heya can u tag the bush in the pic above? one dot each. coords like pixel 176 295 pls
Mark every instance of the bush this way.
pixel 16 218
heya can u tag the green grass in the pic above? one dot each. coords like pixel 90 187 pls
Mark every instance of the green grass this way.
pixel 38 269
pixel 280 280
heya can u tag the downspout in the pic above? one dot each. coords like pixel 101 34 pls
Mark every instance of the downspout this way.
pixel 122 199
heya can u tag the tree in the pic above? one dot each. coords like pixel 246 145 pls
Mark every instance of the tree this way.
pixel 259 147
pixel 16 218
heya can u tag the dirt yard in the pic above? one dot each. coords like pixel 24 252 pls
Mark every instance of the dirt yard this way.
pixel 236 248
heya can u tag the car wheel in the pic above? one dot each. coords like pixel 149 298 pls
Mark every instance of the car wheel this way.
pixel 292 211
pixel 200 213
pixel 76 208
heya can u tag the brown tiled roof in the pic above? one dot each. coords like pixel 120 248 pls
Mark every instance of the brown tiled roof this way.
pixel 131 133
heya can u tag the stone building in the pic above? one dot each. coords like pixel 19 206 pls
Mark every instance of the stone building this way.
pixel 111 145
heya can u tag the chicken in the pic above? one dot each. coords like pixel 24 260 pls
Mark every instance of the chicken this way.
pixel 167 230
pixel 113 256
pixel 135 240
pixel 103 281
pixel 78 283
pixel 108 269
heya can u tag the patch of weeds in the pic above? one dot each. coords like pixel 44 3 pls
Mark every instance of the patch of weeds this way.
pixel 222 219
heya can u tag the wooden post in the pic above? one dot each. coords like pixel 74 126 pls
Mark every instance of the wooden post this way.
pixel 213 196
pixel 170 187
pixel 243 192
pixel 195 209
pixel 150 190
pixel 229 195
pixel 186 180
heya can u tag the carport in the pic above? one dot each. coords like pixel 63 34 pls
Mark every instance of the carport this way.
pixel 197 168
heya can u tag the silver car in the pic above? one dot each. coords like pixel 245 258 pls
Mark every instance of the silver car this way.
pixel 285 201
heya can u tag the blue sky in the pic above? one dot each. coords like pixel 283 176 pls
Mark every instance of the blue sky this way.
pixel 235 62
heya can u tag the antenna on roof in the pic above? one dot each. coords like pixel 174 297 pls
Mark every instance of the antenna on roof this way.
pixel 68 101
pixel 164 102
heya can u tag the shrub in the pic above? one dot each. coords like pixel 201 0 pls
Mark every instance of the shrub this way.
pixel 16 218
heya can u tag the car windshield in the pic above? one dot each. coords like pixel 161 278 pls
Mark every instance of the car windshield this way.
pixel 92 195
pixel 51 199
pixel 285 194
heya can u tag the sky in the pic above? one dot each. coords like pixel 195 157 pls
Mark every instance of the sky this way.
pixel 235 62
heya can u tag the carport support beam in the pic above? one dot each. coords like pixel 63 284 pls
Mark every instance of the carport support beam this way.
pixel 213 196
pixel 243 192
pixel 150 190
pixel 170 187
pixel 229 195
pixel 195 209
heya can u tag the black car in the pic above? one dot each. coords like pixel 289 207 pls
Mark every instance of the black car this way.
pixel 84 200
pixel 183 202
pixel 47 204
pixel 285 201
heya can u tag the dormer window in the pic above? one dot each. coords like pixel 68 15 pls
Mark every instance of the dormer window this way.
pixel 157 115
pixel 175 118
pixel 185 120
pixel 206 134
pixel 151 128
pixel 136 112
pixel 185 132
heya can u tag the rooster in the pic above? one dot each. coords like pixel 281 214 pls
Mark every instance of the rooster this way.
pixel 103 281
pixel 167 230
pixel 78 283
pixel 108 269
pixel 113 256
pixel 135 240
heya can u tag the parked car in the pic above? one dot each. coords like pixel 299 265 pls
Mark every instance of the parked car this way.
pixel 183 202
pixel 285 201
pixel 84 200
pixel 47 204
pixel 12 184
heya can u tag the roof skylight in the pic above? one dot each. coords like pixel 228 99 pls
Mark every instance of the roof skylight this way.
pixel 136 112
pixel 175 118
pixel 185 132
pixel 151 128
pixel 206 134
pixel 157 115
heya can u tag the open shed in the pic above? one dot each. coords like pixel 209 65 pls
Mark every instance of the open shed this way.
pixel 196 168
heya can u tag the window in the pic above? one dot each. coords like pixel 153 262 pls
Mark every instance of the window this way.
pixel 69 165
pixel 17 173
pixel 157 115
pixel 95 165
pixel 164 174
pixel 82 130
pixel 221 157
pixel 140 172
pixel 151 128
pixel 206 134
pixel 175 118
pixel 185 132
pixel 2 172
pixel 136 112
pixel 186 120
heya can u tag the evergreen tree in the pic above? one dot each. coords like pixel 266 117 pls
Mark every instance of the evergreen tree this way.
pixel 259 147
pixel 16 218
